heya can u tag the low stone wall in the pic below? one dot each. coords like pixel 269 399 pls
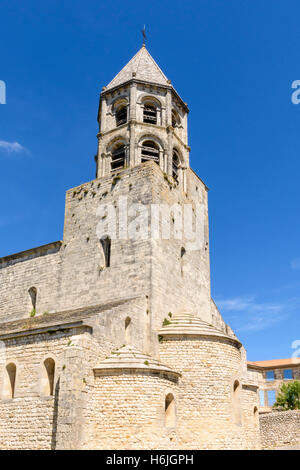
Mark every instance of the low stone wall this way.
pixel 280 428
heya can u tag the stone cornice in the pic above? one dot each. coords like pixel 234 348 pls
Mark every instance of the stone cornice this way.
pixel 50 329
pixel 105 92
pixel 32 252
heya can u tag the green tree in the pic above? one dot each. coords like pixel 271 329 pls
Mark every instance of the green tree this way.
pixel 289 396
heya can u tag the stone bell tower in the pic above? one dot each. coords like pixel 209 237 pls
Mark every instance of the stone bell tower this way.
pixel 143 158
pixel 143 134
pixel 141 117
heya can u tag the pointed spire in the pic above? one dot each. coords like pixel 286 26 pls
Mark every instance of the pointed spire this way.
pixel 141 67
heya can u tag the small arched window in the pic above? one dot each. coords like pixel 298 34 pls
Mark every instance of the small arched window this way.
pixel 150 113
pixel 10 380
pixel 106 246
pixel 121 115
pixel 118 157
pixel 170 411
pixel 175 165
pixel 48 374
pixel 150 152
pixel 33 296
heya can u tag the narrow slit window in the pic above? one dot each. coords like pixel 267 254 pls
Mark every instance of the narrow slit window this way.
pixel 33 296
pixel 48 379
pixel 127 329
pixel 255 415
pixel 236 403
pixel 150 152
pixel 170 411
pixel 118 158
pixel 10 380
pixel 106 246
pixel 150 114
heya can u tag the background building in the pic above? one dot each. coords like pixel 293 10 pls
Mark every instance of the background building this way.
pixel 270 376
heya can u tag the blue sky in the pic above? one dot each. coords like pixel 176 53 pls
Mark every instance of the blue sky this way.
pixel 234 62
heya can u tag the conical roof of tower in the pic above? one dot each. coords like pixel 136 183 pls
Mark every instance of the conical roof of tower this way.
pixel 127 357
pixel 190 324
pixel 141 67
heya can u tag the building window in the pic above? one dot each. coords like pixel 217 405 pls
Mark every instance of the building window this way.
pixel 170 411
pixel 236 403
pixel 118 158
pixel 48 374
pixel 127 330
pixel 106 246
pixel 175 165
pixel 10 380
pixel 270 375
pixel 150 114
pixel 255 414
pixel 121 115
pixel 262 398
pixel 271 397
pixel 288 374
pixel 33 296
pixel 175 119
pixel 150 152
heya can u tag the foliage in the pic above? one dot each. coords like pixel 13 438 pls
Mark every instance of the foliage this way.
pixel 33 312
pixel 289 396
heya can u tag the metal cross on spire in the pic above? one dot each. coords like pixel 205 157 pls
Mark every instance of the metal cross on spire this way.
pixel 143 31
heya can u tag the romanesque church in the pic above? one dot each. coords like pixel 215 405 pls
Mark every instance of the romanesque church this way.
pixel 114 342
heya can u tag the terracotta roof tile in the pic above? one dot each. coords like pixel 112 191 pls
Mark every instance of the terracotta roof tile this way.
pixel 276 362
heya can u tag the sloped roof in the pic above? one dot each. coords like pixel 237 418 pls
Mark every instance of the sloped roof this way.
pixel 127 357
pixel 141 67
pixel 190 324
pixel 276 362
pixel 58 318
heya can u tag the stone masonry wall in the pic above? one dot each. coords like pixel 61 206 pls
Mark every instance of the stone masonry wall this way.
pixel 280 428
pixel 84 279
pixel 205 404
pixel 28 420
pixel 129 412
pixel 250 416
pixel 181 275
pixel 75 276
pixel 40 270
pixel 31 420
